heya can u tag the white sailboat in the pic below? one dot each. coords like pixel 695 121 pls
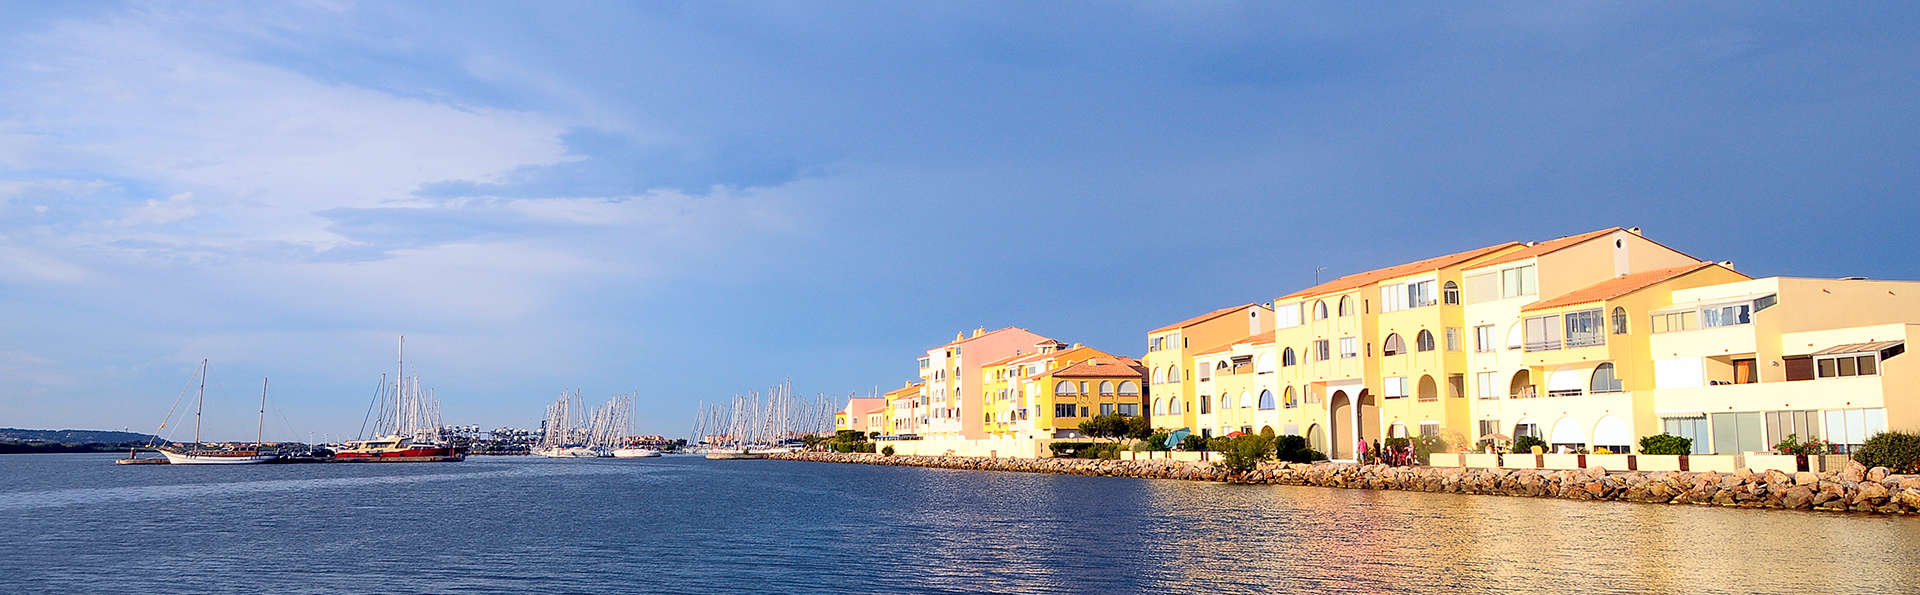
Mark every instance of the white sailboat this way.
pixel 198 454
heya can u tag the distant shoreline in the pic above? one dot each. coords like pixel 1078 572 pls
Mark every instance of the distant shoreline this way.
pixel 29 448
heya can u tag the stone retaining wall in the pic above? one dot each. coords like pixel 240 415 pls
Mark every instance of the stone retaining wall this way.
pixel 1855 488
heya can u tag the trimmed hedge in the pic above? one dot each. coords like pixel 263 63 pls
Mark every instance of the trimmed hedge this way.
pixel 1897 451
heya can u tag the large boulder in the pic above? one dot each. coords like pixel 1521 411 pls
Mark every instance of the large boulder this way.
pixel 1854 472
pixel 1806 478
pixel 1797 497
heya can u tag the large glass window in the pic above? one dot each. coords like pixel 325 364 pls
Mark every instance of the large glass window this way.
pixel 1604 380
pixel 1847 365
pixel 1689 427
pixel 1518 281
pixel 1726 315
pixel 1396 387
pixel 1584 329
pixel 1064 410
pixel 1848 429
pixel 1543 333
pixel 1485 385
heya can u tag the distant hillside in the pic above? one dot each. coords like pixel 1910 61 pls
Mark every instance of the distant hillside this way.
pixel 73 436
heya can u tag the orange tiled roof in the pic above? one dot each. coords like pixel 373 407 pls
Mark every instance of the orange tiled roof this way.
pixel 1549 246
pixel 1359 280
pixel 913 389
pixel 1199 319
pixel 1616 287
pixel 1101 367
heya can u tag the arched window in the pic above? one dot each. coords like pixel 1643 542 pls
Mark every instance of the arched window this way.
pixel 1159 375
pixel 1346 305
pixel 1263 364
pixel 1604 380
pixel 1266 399
pixel 1393 346
pixel 1206 404
pixel 1106 387
pixel 1287 358
pixel 1619 320
pixel 1064 388
pixel 1173 374
pixel 1320 310
pixel 1220 367
pixel 1226 402
pixel 1246 400
pixel 1159 407
pixel 1173 406
pixel 1288 399
pixel 1130 388
pixel 1516 337
pixel 1451 293
pixel 1423 341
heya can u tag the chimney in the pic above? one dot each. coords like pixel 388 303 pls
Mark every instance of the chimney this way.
pixel 1726 263
pixel 979 331
pixel 1633 230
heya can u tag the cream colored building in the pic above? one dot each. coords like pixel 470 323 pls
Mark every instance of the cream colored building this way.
pixel 1739 366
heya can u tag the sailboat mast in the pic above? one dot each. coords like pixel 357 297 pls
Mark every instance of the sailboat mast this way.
pixel 259 428
pixel 199 404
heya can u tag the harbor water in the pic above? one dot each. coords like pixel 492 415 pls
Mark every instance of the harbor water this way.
pixel 78 523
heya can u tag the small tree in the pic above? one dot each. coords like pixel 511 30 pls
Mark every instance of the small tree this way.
pixel 1139 427
pixel 1244 453
pixel 1665 444
pixel 887 451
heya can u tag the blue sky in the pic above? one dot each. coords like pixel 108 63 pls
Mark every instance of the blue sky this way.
pixel 690 200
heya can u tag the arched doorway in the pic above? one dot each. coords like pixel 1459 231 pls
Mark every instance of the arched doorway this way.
pixel 1317 438
pixel 1340 411
pixel 1369 413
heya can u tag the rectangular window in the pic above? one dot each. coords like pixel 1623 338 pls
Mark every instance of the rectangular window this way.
pixel 1456 386
pixel 1429 429
pixel 1518 281
pixel 1064 410
pixel 1420 294
pixel 1689 427
pixel 1488 426
pixel 1320 350
pixel 1543 333
pixel 1106 408
pixel 1848 429
pixel 1847 365
pixel 1396 387
pixel 1348 348
pixel 1393 297
pixel 1585 329
pixel 1483 338
pixel 1453 339
pixel 1129 409
pixel 1483 385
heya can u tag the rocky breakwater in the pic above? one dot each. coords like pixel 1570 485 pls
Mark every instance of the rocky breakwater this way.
pixel 1855 488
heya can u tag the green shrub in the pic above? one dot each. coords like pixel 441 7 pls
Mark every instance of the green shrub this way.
pixel 1067 449
pixel 1897 451
pixel 842 446
pixel 1293 449
pixel 1525 444
pixel 1194 442
pixel 1138 427
pixel 866 447
pixel 1155 441
pixel 1244 453
pixel 1665 444
pixel 888 451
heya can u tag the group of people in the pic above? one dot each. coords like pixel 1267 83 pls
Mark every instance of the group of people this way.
pixel 1373 454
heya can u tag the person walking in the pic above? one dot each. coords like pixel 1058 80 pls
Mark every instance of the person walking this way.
pixel 1360 452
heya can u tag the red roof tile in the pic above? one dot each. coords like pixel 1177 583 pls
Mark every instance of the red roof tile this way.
pixel 1549 246
pixel 1101 367
pixel 1201 318
pixel 1359 280
pixel 1616 287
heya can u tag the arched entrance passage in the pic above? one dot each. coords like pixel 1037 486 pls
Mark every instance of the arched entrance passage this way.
pixel 1340 414
pixel 1369 413
pixel 1316 438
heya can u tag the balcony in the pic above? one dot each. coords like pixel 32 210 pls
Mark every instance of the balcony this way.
pixel 1826 393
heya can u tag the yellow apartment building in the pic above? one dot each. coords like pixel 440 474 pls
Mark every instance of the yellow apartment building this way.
pixel 905 407
pixel 1589 366
pixel 1010 404
pixel 1369 349
pixel 1169 357
pixel 1501 382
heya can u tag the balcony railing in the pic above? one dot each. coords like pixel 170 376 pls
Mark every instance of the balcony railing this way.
pixel 1543 345
pixel 1526 393
pixel 1565 392
pixel 1586 341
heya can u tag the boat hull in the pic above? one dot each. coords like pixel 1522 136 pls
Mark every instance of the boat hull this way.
pixel 205 458
pixel 735 456
pixel 407 454
pixel 635 453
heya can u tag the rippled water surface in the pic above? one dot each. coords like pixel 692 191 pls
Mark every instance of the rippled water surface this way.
pixel 77 523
